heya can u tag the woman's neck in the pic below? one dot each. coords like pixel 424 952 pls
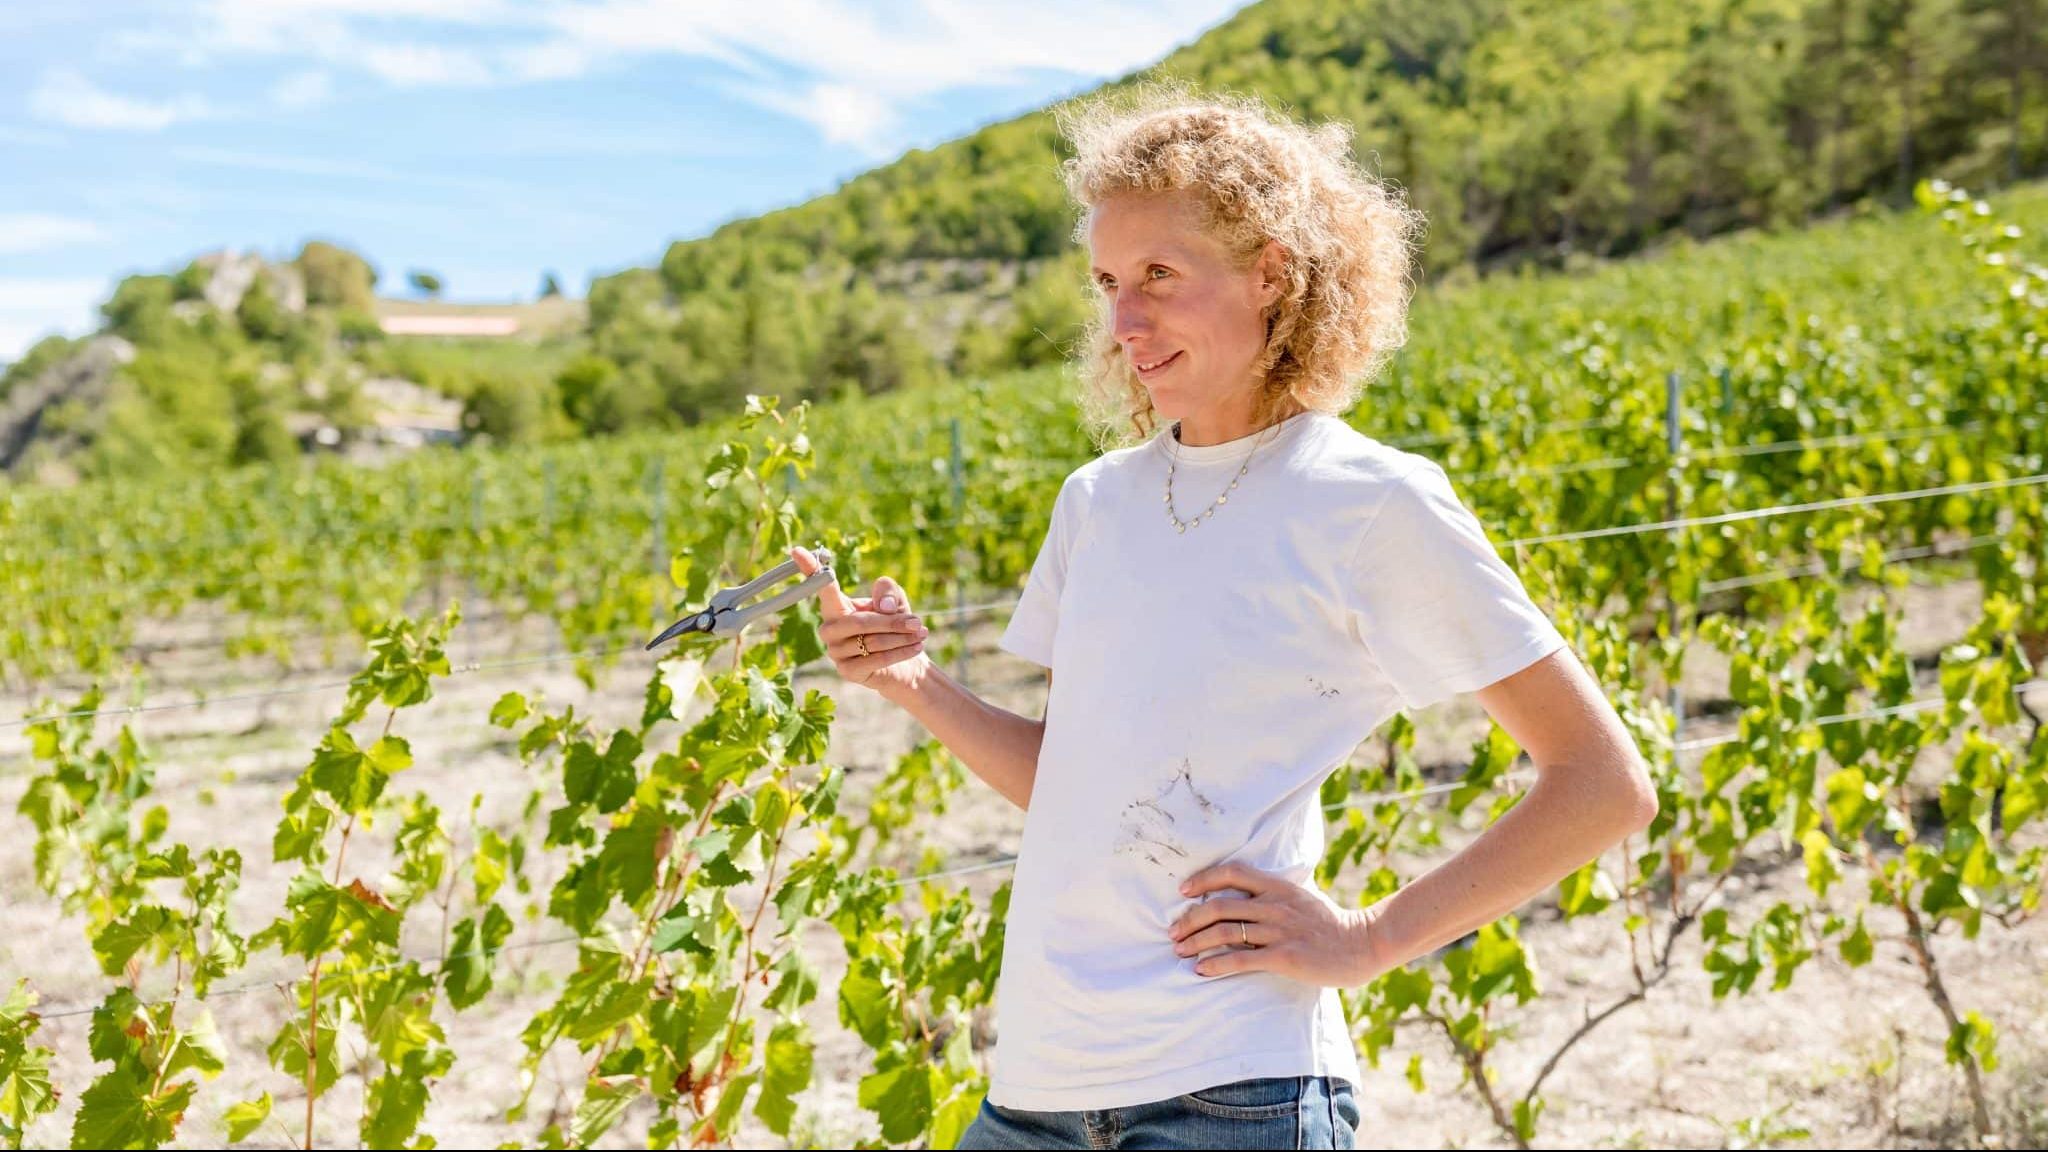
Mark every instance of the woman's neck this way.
pixel 1206 429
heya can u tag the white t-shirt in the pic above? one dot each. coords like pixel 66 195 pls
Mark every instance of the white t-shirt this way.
pixel 1207 682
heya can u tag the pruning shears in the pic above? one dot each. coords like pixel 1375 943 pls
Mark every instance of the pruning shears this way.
pixel 725 616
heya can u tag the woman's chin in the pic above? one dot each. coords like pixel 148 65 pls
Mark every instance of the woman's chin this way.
pixel 1170 403
pixel 1166 399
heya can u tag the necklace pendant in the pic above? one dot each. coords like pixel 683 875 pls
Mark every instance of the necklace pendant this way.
pixel 1181 527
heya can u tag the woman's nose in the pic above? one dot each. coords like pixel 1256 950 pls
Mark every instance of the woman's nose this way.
pixel 1129 318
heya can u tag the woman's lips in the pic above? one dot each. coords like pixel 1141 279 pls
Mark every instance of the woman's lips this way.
pixel 1147 369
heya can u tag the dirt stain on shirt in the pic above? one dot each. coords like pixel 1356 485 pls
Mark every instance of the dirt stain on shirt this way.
pixel 1151 827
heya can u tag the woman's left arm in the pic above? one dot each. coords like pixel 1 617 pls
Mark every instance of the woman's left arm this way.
pixel 1592 790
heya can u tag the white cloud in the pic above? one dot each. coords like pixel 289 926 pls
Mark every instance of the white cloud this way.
pixel 147 194
pixel 556 61
pixel 67 97
pixel 34 307
pixel 32 137
pixel 249 14
pixel 345 169
pixel 303 90
pixel 848 68
pixel 900 50
pixel 650 135
pixel 22 232
pixel 857 68
pixel 306 27
pixel 423 65
pixel 287 164
pixel 842 113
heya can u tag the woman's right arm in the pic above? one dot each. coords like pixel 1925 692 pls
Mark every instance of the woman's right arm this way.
pixel 996 744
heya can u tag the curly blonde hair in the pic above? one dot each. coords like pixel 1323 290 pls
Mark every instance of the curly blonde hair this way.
pixel 1257 175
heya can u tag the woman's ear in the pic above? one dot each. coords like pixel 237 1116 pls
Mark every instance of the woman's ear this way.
pixel 1271 268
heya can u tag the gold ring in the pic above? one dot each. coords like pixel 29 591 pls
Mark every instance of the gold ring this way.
pixel 862 644
pixel 1244 934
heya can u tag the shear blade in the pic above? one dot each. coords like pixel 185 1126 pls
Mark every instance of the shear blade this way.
pixel 695 622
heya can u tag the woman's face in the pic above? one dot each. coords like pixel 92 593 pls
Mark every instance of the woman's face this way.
pixel 1189 322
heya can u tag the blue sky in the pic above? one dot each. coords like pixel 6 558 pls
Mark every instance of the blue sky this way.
pixel 487 140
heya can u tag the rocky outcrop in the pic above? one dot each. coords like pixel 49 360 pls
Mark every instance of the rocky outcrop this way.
pixel 230 274
pixel 84 376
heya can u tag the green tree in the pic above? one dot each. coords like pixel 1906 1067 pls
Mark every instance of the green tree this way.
pixel 190 282
pixel 174 406
pixel 1051 307
pixel 260 315
pixel 579 385
pixel 600 399
pixel 507 409
pixel 424 282
pixel 1915 42
pixel 336 277
pixel 140 308
pixel 869 345
pixel 261 436
pixel 630 312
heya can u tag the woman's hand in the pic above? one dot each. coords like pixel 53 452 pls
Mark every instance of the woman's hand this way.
pixel 894 637
pixel 1293 930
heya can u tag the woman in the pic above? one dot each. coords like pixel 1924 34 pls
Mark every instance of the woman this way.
pixel 1233 602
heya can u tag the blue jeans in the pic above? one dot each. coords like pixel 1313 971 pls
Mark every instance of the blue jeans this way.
pixel 1272 1112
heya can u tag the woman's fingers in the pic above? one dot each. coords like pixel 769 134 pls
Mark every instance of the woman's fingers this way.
pixel 1215 911
pixel 1281 959
pixel 889 596
pixel 891 638
pixel 1298 932
pixel 882 623
pixel 878 642
pixel 832 602
pixel 1227 934
pixel 859 623
pixel 1233 874
pixel 860 669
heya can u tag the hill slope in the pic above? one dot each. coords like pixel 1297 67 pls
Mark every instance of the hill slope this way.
pixel 1528 130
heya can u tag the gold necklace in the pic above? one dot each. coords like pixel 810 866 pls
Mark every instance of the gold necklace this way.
pixel 1209 512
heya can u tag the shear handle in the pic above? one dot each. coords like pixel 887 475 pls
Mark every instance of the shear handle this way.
pixel 731 620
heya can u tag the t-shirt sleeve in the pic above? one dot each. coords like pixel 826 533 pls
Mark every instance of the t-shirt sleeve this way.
pixel 1035 623
pixel 1438 609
